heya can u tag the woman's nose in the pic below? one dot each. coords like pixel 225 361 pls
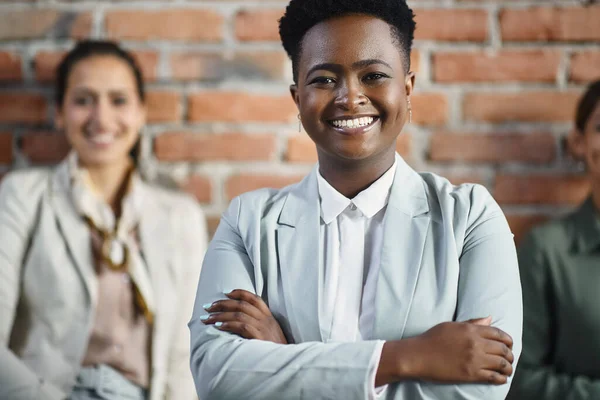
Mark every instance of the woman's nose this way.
pixel 350 97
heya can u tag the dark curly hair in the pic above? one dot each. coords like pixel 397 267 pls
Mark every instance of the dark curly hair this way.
pixel 301 15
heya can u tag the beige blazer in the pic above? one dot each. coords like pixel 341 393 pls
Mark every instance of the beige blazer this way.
pixel 48 289
pixel 447 255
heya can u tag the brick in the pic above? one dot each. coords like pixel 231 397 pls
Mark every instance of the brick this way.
pixel 240 107
pixel 22 108
pixel 522 106
pixel 261 25
pixel 200 187
pixel 537 148
pixel 31 24
pixel 44 147
pixel 541 189
pixel 163 106
pixel 180 25
pixel 197 66
pixel 505 66
pixel 255 65
pixel 585 66
pixel 238 184
pixel 520 225
pixel 429 109
pixel 458 25
pixel 184 146
pixel 45 64
pixel 550 24
pixel 301 148
pixel 6 152
pixel 10 67
pixel 266 65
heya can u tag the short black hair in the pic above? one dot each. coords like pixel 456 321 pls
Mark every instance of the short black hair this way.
pixel 587 105
pixel 301 15
pixel 90 48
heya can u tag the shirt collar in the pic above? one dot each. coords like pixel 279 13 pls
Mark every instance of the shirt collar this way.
pixel 370 201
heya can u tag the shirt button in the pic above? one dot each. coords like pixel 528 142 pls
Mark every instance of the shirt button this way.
pixel 353 207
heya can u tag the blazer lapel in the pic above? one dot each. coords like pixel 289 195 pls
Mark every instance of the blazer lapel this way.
pixel 75 231
pixel 299 259
pixel 405 232
pixel 156 245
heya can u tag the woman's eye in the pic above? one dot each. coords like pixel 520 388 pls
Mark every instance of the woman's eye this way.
pixel 83 101
pixel 376 76
pixel 323 80
pixel 119 101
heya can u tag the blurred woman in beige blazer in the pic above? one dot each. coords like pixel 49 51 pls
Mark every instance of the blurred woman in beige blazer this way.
pixel 98 268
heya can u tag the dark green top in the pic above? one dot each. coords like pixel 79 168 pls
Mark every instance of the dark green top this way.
pixel 560 275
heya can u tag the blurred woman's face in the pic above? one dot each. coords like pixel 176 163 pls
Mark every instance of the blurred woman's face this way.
pixel 102 113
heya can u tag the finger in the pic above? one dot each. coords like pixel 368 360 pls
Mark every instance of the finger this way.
pixel 247 331
pixel 487 321
pixel 250 298
pixel 491 377
pixel 492 333
pixel 229 317
pixel 499 349
pixel 235 306
pixel 498 364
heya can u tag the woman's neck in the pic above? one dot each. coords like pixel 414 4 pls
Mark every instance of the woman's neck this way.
pixel 352 177
pixel 110 181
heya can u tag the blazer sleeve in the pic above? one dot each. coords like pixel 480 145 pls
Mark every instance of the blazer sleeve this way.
pixel 225 366
pixel 536 377
pixel 489 285
pixel 193 239
pixel 19 198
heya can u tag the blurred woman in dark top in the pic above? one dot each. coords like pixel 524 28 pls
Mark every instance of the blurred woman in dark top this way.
pixel 560 273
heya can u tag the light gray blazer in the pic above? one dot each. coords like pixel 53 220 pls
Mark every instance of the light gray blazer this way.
pixel 48 289
pixel 448 255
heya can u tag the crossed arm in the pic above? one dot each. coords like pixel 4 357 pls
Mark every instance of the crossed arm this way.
pixel 459 360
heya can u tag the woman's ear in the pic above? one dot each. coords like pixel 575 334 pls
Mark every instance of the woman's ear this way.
pixel 409 83
pixel 576 144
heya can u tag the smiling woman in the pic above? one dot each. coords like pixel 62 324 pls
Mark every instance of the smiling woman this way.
pixel 365 279
pixel 97 266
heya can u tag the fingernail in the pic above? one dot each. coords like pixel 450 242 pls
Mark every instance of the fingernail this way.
pixel 207 306
pixel 228 291
pixel 204 317
pixel 218 324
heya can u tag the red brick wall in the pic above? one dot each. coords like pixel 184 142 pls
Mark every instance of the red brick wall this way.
pixel 497 83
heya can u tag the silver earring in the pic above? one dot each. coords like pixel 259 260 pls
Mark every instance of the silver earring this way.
pixel 299 123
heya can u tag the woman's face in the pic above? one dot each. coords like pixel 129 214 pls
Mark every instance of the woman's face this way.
pixel 352 90
pixel 102 113
pixel 586 144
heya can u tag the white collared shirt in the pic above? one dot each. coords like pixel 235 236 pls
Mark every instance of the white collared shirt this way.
pixel 351 234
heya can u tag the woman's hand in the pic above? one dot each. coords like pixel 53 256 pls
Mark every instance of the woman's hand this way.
pixel 451 352
pixel 246 315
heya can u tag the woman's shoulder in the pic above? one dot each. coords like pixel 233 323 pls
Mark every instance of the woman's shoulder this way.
pixel 471 200
pixel 25 183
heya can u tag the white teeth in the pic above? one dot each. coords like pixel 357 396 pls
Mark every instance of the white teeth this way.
pixel 353 123
pixel 102 139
